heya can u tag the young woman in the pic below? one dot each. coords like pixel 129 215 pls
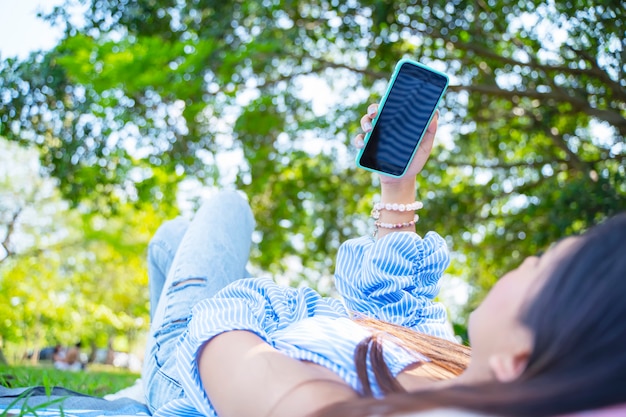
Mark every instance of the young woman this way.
pixel 228 346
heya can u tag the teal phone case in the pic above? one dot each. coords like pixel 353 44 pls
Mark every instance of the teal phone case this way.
pixel 382 104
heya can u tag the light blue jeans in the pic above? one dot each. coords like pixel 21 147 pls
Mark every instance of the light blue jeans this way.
pixel 188 262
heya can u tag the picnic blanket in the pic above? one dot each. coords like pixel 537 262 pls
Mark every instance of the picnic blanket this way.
pixel 58 401
pixel 39 401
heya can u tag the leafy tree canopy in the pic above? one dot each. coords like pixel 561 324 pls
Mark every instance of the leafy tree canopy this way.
pixel 142 95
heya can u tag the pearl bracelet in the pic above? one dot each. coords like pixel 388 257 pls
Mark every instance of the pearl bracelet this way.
pixel 382 225
pixel 416 205
pixel 395 207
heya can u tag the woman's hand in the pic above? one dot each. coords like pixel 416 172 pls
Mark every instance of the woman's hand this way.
pixel 421 156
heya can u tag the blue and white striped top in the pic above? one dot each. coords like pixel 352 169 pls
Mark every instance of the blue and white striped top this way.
pixel 394 279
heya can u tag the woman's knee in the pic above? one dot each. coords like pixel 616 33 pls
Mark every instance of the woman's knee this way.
pixel 170 233
pixel 165 242
pixel 226 204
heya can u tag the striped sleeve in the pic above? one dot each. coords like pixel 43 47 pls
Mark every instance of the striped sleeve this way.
pixel 257 305
pixel 396 279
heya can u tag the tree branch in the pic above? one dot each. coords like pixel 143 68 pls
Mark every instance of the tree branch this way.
pixel 611 117
pixel 38 251
pixel 10 229
pixel 363 71
pixel 599 73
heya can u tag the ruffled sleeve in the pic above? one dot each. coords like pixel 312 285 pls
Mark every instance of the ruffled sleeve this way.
pixel 257 305
pixel 396 279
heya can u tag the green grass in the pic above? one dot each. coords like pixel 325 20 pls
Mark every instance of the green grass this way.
pixel 97 380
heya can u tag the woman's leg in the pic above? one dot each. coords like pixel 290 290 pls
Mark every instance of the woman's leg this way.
pixel 212 253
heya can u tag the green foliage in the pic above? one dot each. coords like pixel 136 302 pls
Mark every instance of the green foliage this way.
pixel 95 381
pixel 68 275
pixel 148 94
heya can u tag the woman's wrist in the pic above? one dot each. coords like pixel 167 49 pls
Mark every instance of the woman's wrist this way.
pixel 402 192
pixel 399 191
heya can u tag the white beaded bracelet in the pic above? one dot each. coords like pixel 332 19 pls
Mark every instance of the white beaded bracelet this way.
pixel 416 205
pixel 395 207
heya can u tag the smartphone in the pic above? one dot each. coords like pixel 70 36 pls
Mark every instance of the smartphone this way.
pixel 404 114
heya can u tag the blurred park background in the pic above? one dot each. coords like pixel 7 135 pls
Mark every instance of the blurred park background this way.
pixel 138 109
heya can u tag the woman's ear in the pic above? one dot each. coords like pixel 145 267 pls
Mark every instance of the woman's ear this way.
pixel 508 365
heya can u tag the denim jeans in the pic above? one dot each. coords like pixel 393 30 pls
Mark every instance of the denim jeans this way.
pixel 188 262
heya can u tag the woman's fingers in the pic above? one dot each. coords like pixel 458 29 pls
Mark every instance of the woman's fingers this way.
pixel 366 125
pixel 358 141
pixel 372 109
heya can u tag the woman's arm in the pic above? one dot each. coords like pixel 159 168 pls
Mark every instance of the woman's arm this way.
pixel 396 279
pixel 245 376
pixel 399 190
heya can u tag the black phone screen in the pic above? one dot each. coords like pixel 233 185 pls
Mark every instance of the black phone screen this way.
pixel 403 119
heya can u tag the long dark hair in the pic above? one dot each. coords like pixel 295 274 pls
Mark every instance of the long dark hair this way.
pixel 578 361
pixel 447 359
